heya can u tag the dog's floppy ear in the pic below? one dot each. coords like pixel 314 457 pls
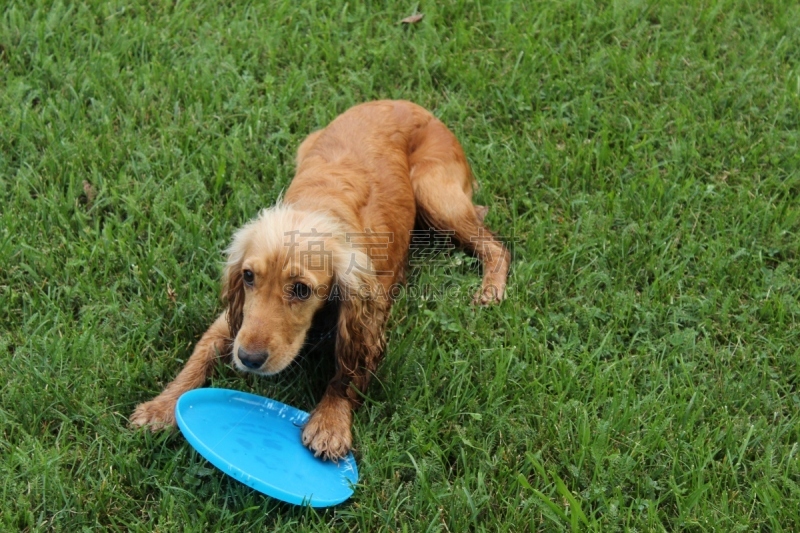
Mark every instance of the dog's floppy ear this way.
pixel 232 282
pixel 363 310
pixel 233 296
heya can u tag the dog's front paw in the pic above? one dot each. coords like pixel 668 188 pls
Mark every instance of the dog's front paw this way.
pixel 327 433
pixel 157 414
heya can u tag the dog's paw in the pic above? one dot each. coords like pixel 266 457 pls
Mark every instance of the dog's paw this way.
pixel 489 294
pixel 328 435
pixel 156 414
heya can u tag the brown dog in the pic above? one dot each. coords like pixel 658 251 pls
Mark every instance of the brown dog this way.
pixel 341 234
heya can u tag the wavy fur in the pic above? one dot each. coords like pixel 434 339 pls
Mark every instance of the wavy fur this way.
pixel 361 183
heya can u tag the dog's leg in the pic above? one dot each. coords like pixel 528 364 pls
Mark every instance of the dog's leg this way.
pixel 160 411
pixel 360 344
pixel 328 432
pixel 443 191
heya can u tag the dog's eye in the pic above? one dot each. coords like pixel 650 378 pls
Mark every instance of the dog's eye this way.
pixel 248 277
pixel 301 291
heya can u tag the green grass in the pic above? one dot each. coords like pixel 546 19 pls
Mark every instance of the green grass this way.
pixel 643 158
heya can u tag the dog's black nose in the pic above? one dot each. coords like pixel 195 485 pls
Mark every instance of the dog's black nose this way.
pixel 252 360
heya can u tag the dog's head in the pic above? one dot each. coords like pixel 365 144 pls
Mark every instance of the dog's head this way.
pixel 282 268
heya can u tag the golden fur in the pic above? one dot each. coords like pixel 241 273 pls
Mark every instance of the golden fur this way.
pixel 341 233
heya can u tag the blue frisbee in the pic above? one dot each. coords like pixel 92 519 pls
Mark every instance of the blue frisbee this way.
pixel 257 441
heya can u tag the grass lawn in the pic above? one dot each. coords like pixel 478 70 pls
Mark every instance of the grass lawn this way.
pixel 642 158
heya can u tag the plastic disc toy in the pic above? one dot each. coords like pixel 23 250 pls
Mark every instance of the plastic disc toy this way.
pixel 257 441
